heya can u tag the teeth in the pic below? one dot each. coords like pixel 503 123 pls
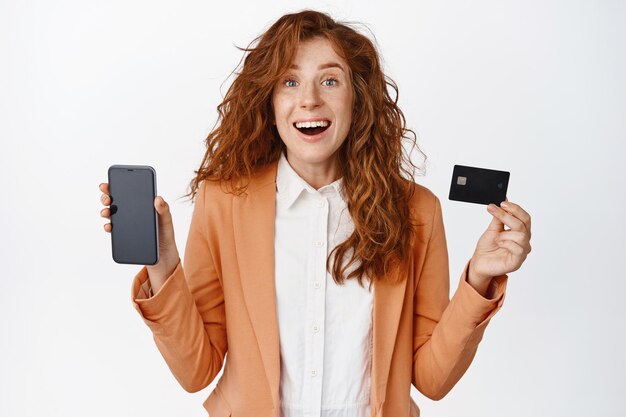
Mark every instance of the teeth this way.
pixel 318 123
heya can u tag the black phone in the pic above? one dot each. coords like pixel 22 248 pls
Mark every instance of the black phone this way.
pixel 478 185
pixel 134 220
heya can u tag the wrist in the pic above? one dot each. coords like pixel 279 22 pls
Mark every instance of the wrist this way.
pixel 478 281
pixel 160 272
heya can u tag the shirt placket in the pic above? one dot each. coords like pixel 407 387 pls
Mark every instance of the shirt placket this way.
pixel 316 299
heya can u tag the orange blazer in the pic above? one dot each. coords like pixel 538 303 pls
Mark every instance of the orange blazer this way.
pixel 221 299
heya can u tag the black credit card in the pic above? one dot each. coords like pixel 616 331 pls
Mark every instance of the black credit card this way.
pixel 478 185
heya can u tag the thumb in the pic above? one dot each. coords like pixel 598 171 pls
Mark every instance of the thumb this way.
pixel 160 205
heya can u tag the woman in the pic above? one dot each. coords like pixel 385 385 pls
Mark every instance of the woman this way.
pixel 304 170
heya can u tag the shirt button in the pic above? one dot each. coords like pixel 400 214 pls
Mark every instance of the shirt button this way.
pixel 316 329
pixel 320 204
pixel 316 284
pixel 319 243
pixel 313 372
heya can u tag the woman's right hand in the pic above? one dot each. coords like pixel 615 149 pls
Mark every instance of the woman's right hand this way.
pixel 168 252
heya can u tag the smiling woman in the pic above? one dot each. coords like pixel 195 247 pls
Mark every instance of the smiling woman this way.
pixel 301 199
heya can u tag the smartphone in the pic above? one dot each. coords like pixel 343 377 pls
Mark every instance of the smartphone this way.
pixel 134 220
pixel 478 185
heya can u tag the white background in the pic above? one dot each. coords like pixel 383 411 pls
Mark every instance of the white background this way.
pixel 532 87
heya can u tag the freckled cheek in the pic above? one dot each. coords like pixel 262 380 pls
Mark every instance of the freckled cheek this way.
pixel 342 109
pixel 282 110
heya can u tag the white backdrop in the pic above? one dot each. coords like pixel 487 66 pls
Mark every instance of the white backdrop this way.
pixel 533 87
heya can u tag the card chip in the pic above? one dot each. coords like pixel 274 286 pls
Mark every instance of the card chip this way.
pixel 461 180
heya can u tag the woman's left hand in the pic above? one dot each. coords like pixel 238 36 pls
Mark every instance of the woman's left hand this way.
pixel 501 251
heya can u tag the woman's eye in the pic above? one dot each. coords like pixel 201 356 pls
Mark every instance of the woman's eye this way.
pixel 290 83
pixel 330 82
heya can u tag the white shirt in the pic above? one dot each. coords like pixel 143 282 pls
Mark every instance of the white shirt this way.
pixel 325 329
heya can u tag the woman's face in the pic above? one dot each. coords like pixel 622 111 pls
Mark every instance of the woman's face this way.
pixel 313 108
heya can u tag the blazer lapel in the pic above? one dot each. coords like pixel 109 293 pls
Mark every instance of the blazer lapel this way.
pixel 388 302
pixel 253 223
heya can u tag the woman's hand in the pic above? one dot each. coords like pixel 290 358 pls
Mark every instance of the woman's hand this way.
pixel 168 252
pixel 500 251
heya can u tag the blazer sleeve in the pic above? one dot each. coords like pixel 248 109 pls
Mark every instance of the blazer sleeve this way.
pixel 446 333
pixel 187 315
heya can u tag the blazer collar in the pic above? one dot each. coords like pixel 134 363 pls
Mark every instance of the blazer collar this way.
pixel 253 223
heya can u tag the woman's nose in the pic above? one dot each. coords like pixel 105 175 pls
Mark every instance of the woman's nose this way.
pixel 310 96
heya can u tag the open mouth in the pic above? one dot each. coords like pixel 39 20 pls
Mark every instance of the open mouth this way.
pixel 312 128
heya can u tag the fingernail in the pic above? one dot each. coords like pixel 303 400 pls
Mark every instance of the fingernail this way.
pixel 504 204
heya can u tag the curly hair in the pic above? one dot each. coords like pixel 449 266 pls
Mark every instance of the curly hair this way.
pixel 370 159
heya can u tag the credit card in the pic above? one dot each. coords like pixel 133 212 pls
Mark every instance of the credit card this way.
pixel 478 185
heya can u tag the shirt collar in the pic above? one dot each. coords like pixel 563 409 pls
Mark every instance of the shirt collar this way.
pixel 290 185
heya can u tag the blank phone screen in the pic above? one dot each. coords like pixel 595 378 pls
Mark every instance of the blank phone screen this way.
pixel 134 220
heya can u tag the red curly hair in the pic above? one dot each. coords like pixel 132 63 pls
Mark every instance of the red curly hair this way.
pixel 370 159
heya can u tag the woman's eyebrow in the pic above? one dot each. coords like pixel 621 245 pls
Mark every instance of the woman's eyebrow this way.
pixel 322 66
